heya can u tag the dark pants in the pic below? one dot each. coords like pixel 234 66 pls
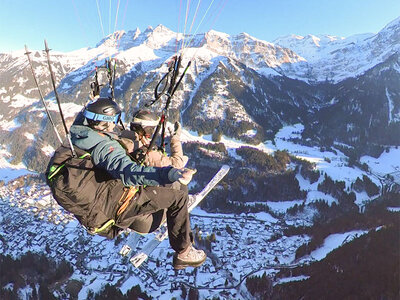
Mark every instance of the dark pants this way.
pixel 153 199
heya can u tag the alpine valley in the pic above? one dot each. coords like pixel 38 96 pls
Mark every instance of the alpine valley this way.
pixel 310 127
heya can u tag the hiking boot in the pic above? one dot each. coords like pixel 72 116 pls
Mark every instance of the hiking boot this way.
pixel 191 257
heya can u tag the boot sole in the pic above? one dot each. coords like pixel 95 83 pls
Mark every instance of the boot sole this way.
pixel 182 265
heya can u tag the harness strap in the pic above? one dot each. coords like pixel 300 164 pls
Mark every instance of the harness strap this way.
pixel 54 170
pixel 103 228
pixel 126 199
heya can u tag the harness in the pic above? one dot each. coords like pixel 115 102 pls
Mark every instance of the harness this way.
pixel 128 195
pixel 126 198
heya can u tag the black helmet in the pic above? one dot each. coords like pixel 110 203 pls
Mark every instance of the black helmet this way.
pixel 144 122
pixel 102 109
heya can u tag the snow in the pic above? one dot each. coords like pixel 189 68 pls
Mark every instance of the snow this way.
pixel 268 72
pixel 394 209
pixel 266 217
pixel 95 286
pixel 337 58
pixel 19 101
pixel 333 164
pixel 140 54
pixel 211 68
pixel 388 162
pixel 9 125
pixel 391 115
pixel 282 206
pixel 69 109
pixel 315 195
pixel 77 78
pixel 250 133
pixel 29 136
pixel 66 86
pixel 25 293
pixel 6 99
pixel 48 150
pixel 318 51
pixel 291 279
pixel 205 278
pixel 9 171
pixel 129 283
pixel 334 241
pixel 361 199
pixel 202 213
pixel 241 254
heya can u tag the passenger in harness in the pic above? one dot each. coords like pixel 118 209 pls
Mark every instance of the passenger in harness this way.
pixel 108 191
pixel 143 125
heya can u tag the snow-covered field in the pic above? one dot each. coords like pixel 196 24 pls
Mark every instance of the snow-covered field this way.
pixel 10 171
pixel 330 163
pixel 387 163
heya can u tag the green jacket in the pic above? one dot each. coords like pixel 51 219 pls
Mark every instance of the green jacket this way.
pixel 107 153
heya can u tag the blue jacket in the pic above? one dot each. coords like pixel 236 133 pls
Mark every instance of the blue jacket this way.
pixel 109 155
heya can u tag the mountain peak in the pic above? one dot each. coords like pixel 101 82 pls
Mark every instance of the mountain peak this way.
pixel 162 28
pixel 213 32
pixel 148 29
pixel 112 39
pixel 315 40
pixel 394 23
pixel 245 34
pixel 391 31
pixel 135 33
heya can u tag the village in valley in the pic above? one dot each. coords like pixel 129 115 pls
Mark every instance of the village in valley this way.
pixel 242 245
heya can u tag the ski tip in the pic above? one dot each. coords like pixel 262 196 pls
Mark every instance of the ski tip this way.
pixel 225 167
pixel 125 250
pixel 138 259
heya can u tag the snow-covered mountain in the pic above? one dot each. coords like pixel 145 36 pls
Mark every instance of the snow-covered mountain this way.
pixel 334 59
pixel 239 83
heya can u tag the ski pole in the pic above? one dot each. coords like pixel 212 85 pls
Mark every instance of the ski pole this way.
pixel 41 95
pixel 53 81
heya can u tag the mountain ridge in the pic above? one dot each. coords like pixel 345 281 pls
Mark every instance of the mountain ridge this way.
pixel 236 83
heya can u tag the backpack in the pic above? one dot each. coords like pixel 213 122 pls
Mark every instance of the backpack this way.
pixel 84 190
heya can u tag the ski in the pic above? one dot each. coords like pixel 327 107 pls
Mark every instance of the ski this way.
pixel 162 233
pixel 131 243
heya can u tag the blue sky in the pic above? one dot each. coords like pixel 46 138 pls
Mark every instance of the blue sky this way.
pixel 73 24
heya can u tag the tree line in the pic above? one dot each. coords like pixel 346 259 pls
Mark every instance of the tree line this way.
pixel 31 269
